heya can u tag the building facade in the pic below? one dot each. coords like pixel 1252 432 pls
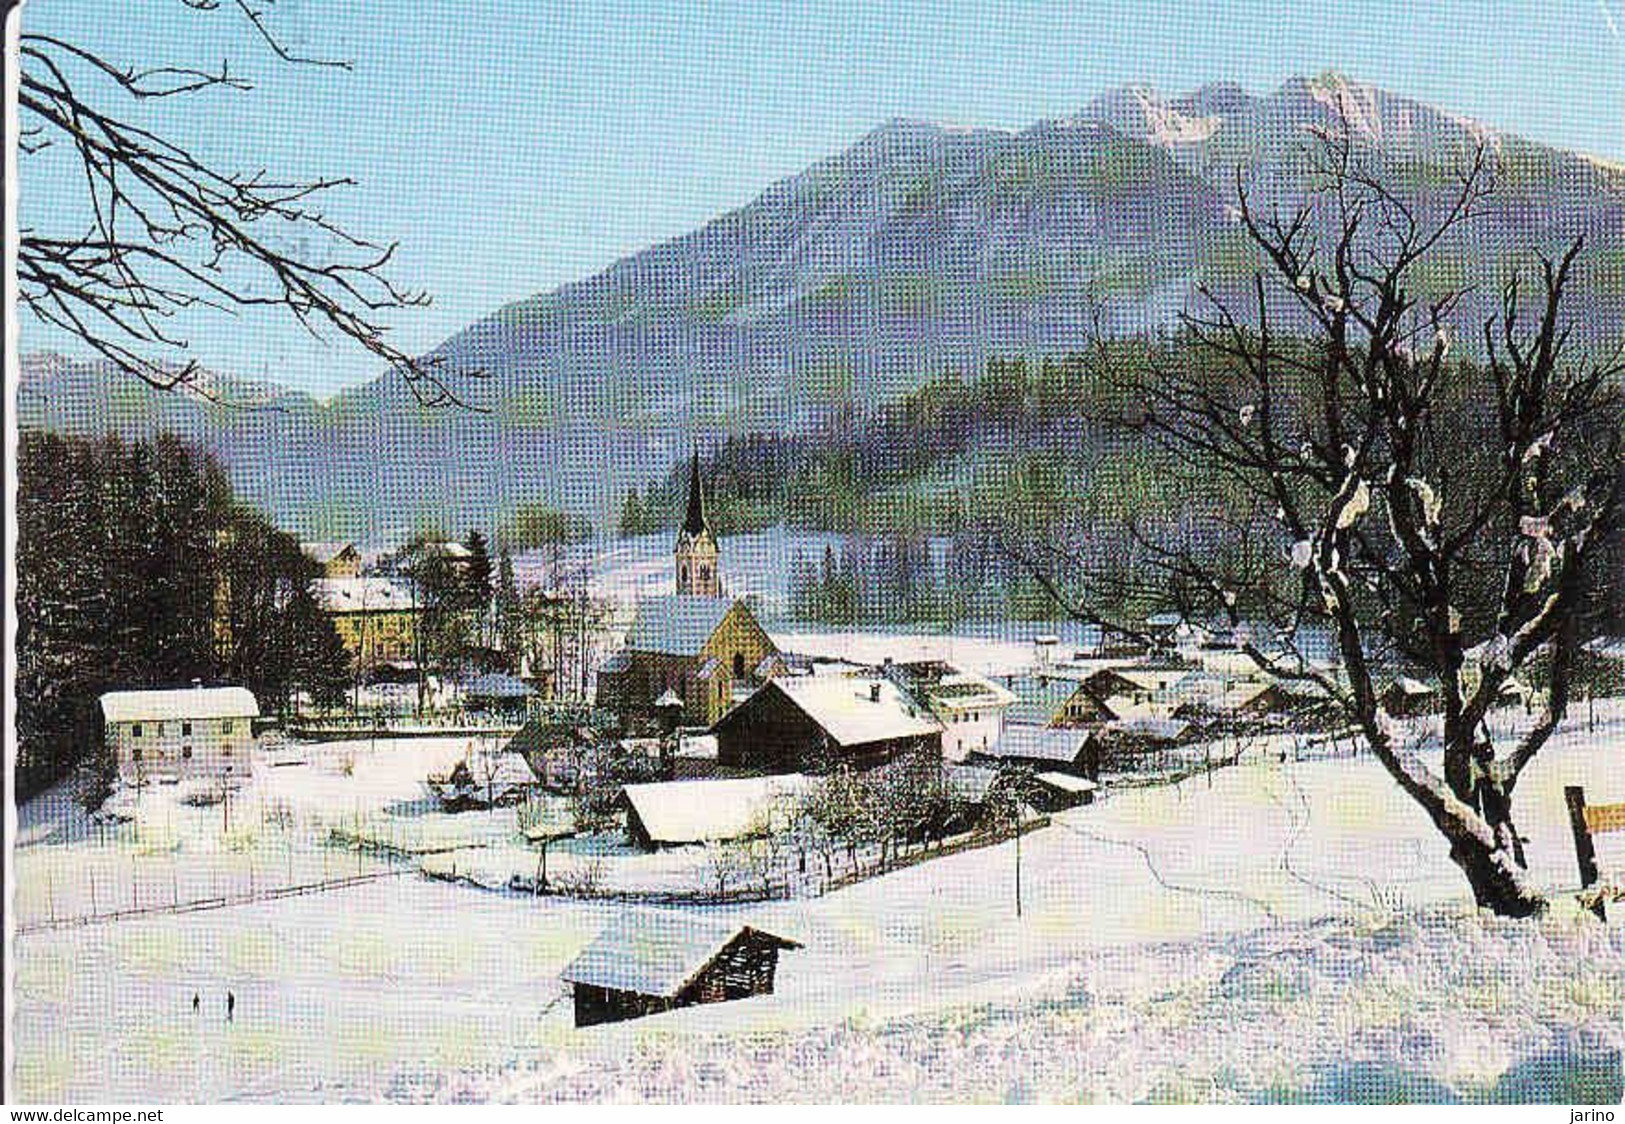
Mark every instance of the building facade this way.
pixel 202 732
pixel 375 617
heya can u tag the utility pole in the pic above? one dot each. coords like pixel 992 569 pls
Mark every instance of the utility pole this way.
pixel 1018 858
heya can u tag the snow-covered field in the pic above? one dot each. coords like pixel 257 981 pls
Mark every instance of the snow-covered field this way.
pixel 1173 943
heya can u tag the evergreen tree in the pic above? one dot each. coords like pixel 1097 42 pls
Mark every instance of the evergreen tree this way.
pixel 478 572
pixel 632 517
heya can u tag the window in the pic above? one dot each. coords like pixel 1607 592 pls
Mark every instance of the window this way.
pixel 135 754
pixel 225 725
pixel 739 665
pixel 186 752
pixel 135 732
pixel 705 574
pixel 225 751
pixel 186 729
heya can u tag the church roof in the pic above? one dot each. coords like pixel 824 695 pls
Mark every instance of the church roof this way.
pixel 676 625
pixel 694 523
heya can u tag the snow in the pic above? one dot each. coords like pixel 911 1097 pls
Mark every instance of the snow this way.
pixel 1250 934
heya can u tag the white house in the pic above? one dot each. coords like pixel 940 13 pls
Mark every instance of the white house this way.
pixel 184 733
pixel 970 707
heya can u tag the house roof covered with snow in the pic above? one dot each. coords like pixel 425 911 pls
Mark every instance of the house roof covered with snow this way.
pixel 676 625
pixel 325 552
pixel 657 952
pixel 1038 698
pixel 193 702
pixel 942 685
pixel 677 812
pixel 1150 728
pixel 363 595
pixel 1027 742
pixel 1066 782
pixel 859 710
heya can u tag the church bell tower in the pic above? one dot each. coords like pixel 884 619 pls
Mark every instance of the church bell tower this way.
pixel 696 546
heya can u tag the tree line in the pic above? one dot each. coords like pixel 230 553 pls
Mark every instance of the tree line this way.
pixel 138 567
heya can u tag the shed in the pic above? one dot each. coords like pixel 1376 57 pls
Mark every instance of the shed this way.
pixel 1054 792
pixel 647 962
pixel 675 813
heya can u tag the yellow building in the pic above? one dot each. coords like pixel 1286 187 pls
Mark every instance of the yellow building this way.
pixel 375 617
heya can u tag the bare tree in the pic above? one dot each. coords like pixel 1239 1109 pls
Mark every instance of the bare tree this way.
pixel 1438 515
pixel 151 227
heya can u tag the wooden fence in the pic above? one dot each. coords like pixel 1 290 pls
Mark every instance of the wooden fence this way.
pixel 221 901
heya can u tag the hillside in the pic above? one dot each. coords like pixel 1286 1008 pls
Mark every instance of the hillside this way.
pixel 919 251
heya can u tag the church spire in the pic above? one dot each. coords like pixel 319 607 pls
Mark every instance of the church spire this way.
pixel 695 522
pixel 697 555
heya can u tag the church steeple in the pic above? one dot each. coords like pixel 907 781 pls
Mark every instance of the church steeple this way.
pixel 695 523
pixel 697 569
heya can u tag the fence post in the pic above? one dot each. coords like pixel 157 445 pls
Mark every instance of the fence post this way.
pixel 1585 853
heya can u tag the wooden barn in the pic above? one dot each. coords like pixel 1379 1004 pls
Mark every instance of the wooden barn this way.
pixel 812 723
pixel 647 962
pixel 1043 749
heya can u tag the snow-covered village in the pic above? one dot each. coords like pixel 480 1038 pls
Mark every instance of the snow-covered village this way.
pixel 1128 608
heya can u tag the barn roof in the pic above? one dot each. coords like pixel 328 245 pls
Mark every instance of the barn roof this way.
pixel 362 595
pixel 677 625
pixel 857 711
pixel 657 953
pixel 677 812
pixel 192 702
pixel 1038 743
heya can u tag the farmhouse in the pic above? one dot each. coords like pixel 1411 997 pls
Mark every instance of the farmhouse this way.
pixel 648 962
pixel 375 617
pixel 813 723
pixel 970 708
pixel 706 649
pixel 678 813
pixel 1049 700
pixel 187 733
pixel 1407 697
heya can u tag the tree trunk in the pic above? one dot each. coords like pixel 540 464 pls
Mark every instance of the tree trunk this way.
pixel 1492 871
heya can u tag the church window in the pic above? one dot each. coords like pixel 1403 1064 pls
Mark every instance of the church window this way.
pixel 739 665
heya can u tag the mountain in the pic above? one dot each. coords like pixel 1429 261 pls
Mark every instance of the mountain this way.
pixel 920 249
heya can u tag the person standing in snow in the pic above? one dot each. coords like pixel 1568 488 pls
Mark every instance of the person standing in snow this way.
pixel 196 1003
pixel 231 1005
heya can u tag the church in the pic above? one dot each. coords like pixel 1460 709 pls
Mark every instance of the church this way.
pixel 698 648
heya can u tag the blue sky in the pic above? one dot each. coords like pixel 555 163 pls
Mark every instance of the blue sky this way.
pixel 513 146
